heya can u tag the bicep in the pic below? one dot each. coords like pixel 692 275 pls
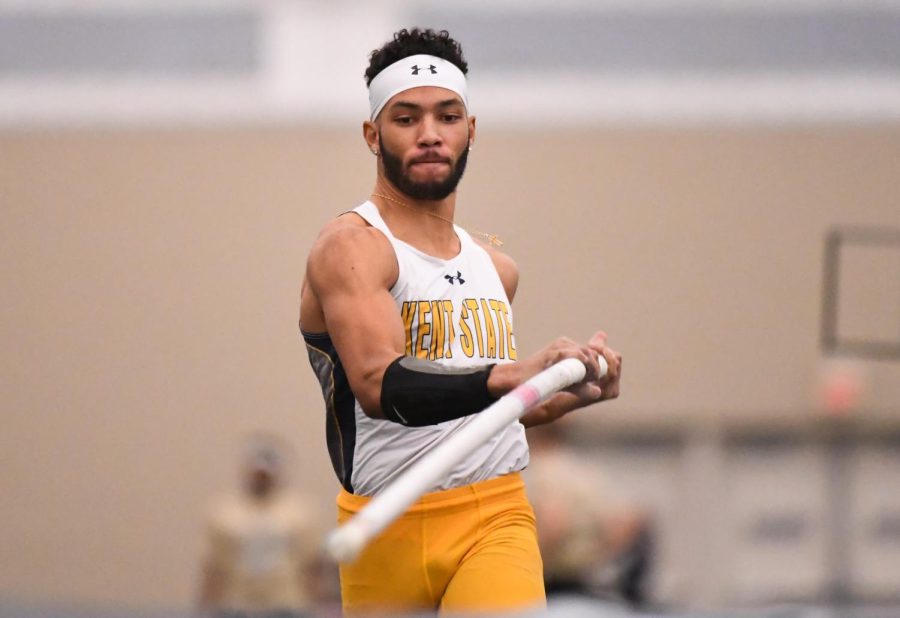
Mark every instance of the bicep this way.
pixel 350 280
pixel 367 333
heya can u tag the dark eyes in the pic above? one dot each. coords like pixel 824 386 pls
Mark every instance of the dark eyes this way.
pixel 408 120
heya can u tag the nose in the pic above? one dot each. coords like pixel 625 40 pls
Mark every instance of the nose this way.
pixel 428 134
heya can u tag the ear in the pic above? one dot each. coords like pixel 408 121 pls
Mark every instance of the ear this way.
pixel 471 121
pixel 370 134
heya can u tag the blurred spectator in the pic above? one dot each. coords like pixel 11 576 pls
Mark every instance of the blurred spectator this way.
pixel 593 541
pixel 262 546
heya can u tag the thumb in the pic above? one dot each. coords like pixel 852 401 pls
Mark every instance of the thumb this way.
pixel 595 392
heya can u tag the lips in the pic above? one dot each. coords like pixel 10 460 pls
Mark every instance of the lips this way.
pixel 430 157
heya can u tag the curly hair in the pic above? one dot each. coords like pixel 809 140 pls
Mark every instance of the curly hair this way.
pixel 416 41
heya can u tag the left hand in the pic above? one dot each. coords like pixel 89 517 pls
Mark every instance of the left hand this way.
pixel 584 393
pixel 609 384
pixel 607 387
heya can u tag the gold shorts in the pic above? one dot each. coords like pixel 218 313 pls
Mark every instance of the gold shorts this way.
pixel 471 548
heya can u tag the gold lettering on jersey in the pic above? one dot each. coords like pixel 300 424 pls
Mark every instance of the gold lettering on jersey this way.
pixel 472 305
pixel 408 314
pixel 465 337
pixel 447 307
pixel 423 328
pixel 501 327
pixel 510 345
pixel 485 328
pixel 489 330
pixel 437 334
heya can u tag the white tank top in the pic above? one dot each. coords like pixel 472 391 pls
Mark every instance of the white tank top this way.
pixel 455 312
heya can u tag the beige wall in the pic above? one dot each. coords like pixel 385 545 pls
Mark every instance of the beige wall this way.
pixel 150 283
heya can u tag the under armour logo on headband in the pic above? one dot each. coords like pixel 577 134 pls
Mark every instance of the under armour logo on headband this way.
pixel 415 69
pixel 415 72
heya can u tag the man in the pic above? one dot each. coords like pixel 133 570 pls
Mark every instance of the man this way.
pixel 261 558
pixel 408 325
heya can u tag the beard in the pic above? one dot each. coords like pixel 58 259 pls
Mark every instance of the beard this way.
pixel 429 191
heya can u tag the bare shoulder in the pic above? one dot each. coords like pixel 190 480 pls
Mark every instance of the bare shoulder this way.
pixel 348 245
pixel 506 267
pixel 346 224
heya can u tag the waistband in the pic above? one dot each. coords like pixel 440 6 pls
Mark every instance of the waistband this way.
pixel 483 491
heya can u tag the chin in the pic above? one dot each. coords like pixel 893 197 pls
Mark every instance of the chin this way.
pixel 430 181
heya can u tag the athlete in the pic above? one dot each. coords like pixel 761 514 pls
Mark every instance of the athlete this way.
pixel 409 328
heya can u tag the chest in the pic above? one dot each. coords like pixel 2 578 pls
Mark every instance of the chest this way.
pixel 455 312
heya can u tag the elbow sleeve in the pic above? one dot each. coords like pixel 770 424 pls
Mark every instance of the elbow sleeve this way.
pixel 416 392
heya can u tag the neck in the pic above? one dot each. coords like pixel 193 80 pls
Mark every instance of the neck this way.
pixel 425 224
pixel 444 208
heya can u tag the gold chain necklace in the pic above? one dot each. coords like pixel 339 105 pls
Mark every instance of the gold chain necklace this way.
pixel 491 238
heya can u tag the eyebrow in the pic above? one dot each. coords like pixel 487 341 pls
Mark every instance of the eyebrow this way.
pixel 415 106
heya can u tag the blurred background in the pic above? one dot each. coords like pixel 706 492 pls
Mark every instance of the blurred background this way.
pixel 714 183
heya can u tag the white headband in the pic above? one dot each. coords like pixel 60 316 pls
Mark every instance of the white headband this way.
pixel 412 72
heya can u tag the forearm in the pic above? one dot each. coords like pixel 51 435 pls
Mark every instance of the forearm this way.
pixel 555 407
pixel 504 378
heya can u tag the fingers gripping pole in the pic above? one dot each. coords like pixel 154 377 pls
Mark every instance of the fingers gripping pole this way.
pixel 345 543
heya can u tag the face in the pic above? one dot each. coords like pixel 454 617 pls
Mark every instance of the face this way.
pixel 423 135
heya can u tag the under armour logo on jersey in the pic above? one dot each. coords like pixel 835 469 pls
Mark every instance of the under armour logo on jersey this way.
pixel 458 278
pixel 416 68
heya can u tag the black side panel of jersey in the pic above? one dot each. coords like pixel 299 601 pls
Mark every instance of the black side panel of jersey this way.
pixel 340 422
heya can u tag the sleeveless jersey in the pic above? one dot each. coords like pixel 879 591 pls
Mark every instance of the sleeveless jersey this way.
pixel 454 312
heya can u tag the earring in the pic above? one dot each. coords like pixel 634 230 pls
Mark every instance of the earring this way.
pixel 375 152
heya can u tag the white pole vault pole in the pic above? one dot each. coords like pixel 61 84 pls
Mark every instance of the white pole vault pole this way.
pixel 346 542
